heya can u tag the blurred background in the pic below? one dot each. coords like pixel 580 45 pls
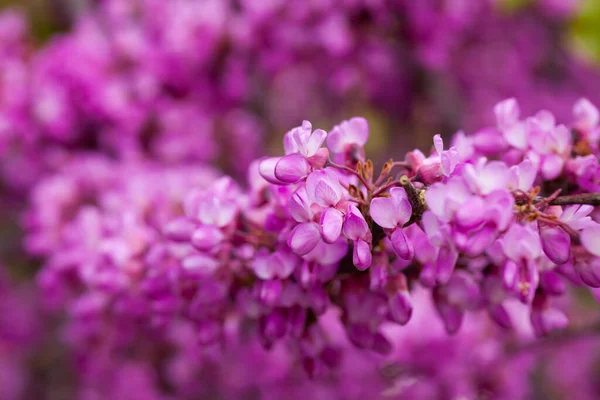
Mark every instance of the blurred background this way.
pixel 104 103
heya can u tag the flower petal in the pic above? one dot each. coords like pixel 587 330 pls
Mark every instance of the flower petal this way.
pixel 355 226
pixel 291 168
pixel 304 237
pixel 362 255
pixel 556 243
pixel 402 245
pixel 402 207
pixel 331 224
pixel 383 213
pixel 266 169
pixel 590 239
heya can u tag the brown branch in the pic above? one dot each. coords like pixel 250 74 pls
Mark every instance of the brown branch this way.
pixel 592 199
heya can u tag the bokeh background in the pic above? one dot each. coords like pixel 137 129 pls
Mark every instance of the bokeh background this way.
pixel 106 103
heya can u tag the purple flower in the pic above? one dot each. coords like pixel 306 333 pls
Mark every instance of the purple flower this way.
pixel 303 153
pixel 346 141
pixel 392 213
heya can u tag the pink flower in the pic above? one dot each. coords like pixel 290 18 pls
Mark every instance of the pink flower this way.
pixel 303 153
pixel 522 176
pixel 346 141
pixel 485 177
pixel 586 115
pixel 356 229
pixel 440 165
pixel 323 188
pixel 392 213
pixel 304 238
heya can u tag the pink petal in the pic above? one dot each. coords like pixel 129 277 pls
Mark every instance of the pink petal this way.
pixel 262 265
pixel 480 241
pixel 500 204
pixel 552 284
pixel 489 140
pixel 315 141
pixel 358 130
pixel 200 264
pixel 435 197
pixel 438 143
pixel 331 224
pixel 516 136
pixel 500 316
pixel 326 195
pixel 180 229
pixel 286 263
pixel 590 273
pixel 431 226
pixel 400 307
pixel 319 159
pixel 291 168
pixel 430 173
pixel 328 254
pixel 362 255
pixel 445 263
pixel 323 187
pixel 507 113
pixel 427 276
pixel 449 159
pixel 526 175
pixel 590 239
pixel 586 115
pixel 547 320
pixel 472 213
pixel 383 213
pixel 402 245
pixel 552 166
pixel 206 237
pixel 304 237
pixel 336 140
pixel 556 243
pixel 402 207
pixel 299 206
pixel 494 175
pixel 355 226
pixel 266 169
pixel 451 316
pixel 225 213
pixel 577 216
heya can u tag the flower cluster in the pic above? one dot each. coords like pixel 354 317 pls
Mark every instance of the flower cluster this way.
pixel 310 233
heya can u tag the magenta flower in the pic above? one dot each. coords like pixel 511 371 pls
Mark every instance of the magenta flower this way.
pixel 586 115
pixel 440 165
pixel 303 153
pixel 523 176
pixel 392 213
pixel 355 228
pixel 521 244
pixel 346 141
